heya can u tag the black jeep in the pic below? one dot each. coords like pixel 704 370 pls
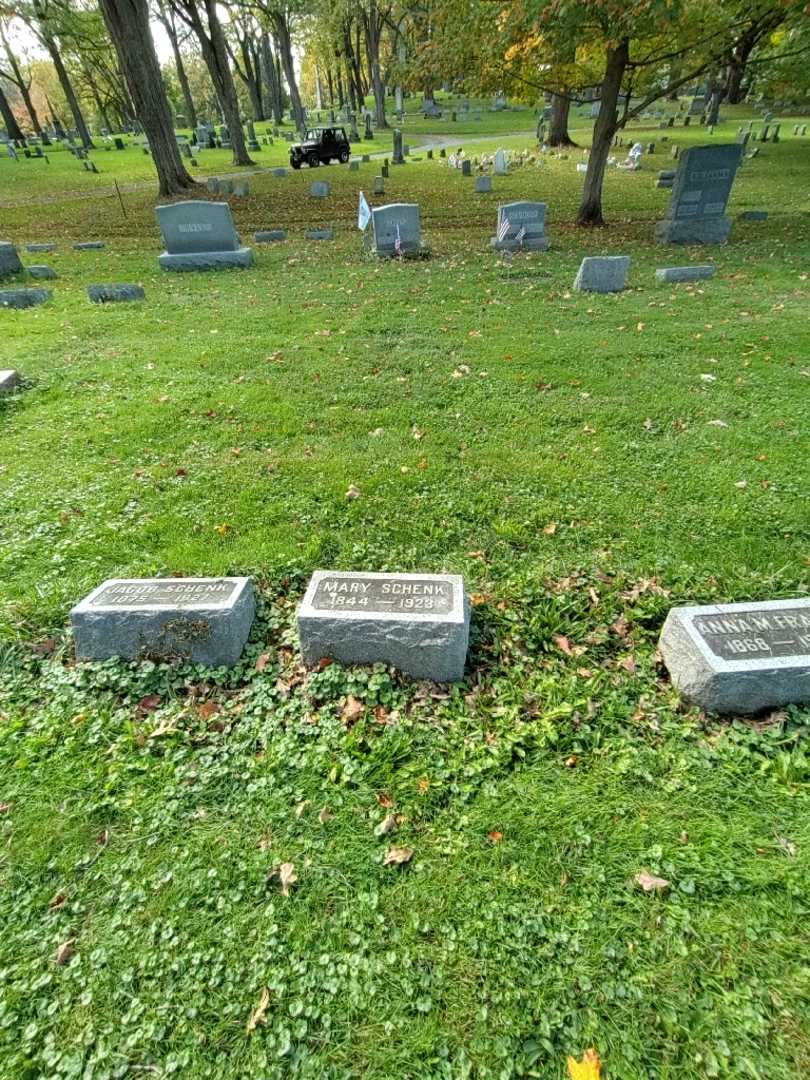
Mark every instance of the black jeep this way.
pixel 320 145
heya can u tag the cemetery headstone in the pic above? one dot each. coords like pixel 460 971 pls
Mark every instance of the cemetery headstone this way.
pixel 241 188
pixel 42 273
pixel 368 133
pixel 379 185
pixel 269 236
pixel 253 142
pixel 697 209
pixel 754 215
pixel 602 273
pixel 687 120
pixel 672 274
pixel 366 158
pixel 803 130
pixel 34 248
pixel 9 260
pixel 201 620
pixel 319 234
pixel 442 152
pixel 521 226
pixel 319 190
pixel 9 381
pixel 483 184
pixel 417 623
pixel 280 173
pixel 354 165
pixel 118 143
pixel 115 294
pixel 23 298
pixel 430 153
pixel 500 163
pixel 384 171
pixel 396 229
pixel 740 658
pixel 89 245
pixel 775 134
pixel 697 105
pixel 466 167
pixel 212 185
pixel 200 235
pixel 397 158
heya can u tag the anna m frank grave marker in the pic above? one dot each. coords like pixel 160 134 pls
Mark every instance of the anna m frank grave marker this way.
pixel 740 658
pixel 204 620
pixel 418 623
pixel 700 193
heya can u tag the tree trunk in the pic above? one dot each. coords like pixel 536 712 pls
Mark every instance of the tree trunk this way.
pixel 270 79
pixel 127 22
pixel 22 85
pixel 284 47
pixel 182 77
pixel 250 75
pixel 604 128
pixel 558 129
pixel 68 91
pixel 372 24
pixel 10 120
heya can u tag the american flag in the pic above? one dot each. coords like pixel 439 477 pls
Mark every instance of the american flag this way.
pixel 520 235
pixel 398 243
pixel 503 229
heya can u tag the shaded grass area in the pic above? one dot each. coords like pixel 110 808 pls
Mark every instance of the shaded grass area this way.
pixel 585 462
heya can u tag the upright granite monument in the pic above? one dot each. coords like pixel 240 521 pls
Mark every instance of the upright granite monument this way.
pixel 200 235
pixel 521 226
pixel 397 229
pixel 700 192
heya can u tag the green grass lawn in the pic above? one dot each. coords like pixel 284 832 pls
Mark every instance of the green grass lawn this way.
pixel 562 452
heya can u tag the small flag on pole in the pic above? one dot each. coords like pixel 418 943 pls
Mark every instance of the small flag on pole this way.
pixel 398 243
pixel 363 213
pixel 520 235
pixel 503 229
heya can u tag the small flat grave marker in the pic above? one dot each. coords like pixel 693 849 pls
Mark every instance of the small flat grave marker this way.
pixel 483 184
pixel 9 381
pixel 40 248
pixel 203 620
pixel 23 298
pixel 42 273
pixel 740 658
pixel 754 215
pixel 319 234
pixel 241 188
pixel 200 235
pixel 685 273
pixel 418 623
pixel 602 273
pixel 115 294
pixel 269 236
pixel 319 190
pixel 89 245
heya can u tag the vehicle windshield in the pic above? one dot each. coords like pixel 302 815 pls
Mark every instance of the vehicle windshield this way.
pixel 313 135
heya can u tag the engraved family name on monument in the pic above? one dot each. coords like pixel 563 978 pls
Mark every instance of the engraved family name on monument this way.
pixel 200 235
pixel 205 620
pixel 700 193
pixel 418 623
pixel 740 657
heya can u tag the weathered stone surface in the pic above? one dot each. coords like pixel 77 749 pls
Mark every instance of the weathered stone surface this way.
pixel 754 215
pixel 35 248
pixel 9 260
pixel 685 273
pixel 269 236
pixel 212 185
pixel 697 210
pixel 280 172
pixel 319 234
pixel 205 620
pixel 319 190
pixel 200 235
pixel 466 167
pixel 9 381
pixel 418 623
pixel 396 221
pixel 241 188
pixel 603 273
pixel 740 658
pixel 115 294
pixel 379 185
pixel 483 184
pixel 23 298
pixel 354 165
pixel 89 245
pixel 42 273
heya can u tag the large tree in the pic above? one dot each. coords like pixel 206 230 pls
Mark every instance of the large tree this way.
pixel 14 73
pixel 13 129
pixel 168 21
pixel 128 24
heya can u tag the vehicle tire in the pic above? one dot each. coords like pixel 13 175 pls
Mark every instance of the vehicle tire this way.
pixel 296 164
pixel 313 161
pixel 344 156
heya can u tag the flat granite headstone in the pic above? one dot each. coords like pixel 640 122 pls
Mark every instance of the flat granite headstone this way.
pixel 23 298
pixel 354 165
pixel 685 273
pixel 89 245
pixel 740 658
pixel 40 248
pixel 602 273
pixel 200 235
pixel 754 215
pixel 9 260
pixel 269 236
pixel 483 184
pixel 241 188
pixel 280 172
pixel 319 234
pixel 115 294
pixel 396 220
pixel 42 273
pixel 418 623
pixel 319 190
pixel 697 209
pixel 204 620
pixel 9 381
pixel 527 216
pixel 212 185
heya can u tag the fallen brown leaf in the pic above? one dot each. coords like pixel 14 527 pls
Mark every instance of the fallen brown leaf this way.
pixel 352 711
pixel 148 704
pixel 324 815
pixel 263 661
pixel 495 836
pixel 385 801
pixel 65 951
pixel 396 856
pixel 387 825
pixel 651 883
pixel 259 1014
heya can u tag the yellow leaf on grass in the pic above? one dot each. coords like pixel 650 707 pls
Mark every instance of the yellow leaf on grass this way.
pixel 590 1068
pixel 258 1016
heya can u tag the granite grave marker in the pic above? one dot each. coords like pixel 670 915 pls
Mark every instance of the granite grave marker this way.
pixel 200 235
pixel 697 209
